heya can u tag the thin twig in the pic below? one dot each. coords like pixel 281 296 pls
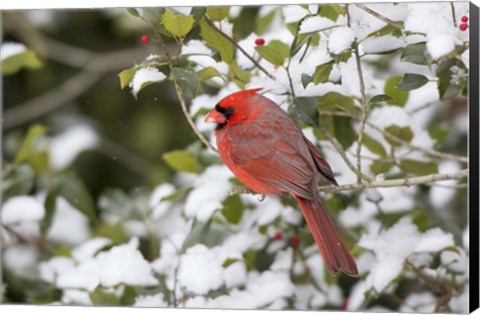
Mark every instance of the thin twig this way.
pixel 29 240
pixel 453 14
pixel 364 106
pixel 290 78
pixel 183 103
pixel 255 62
pixel 404 182
pixel 392 137
pixel 342 153
pixel 379 16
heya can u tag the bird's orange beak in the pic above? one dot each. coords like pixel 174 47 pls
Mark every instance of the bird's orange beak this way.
pixel 215 117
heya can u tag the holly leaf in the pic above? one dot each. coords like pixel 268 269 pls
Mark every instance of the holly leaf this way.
pixel 322 72
pixel 399 97
pixel 188 81
pixel 416 53
pixel 177 24
pixel 233 209
pixel 217 41
pixel 181 160
pixel 218 13
pixel 412 81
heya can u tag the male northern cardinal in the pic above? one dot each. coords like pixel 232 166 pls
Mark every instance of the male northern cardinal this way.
pixel 268 153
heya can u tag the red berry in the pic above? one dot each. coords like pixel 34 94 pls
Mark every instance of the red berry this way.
pixel 278 236
pixel 145 39
pixel 295 240
pixel 345 303
pixel 464 19
pixel 463 26
pixel 259 42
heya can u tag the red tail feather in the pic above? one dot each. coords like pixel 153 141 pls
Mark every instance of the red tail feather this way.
pixel 334 252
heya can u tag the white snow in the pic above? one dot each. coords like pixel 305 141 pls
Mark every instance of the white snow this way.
pixel 65 147
pixel 22 208
pixel 88 249
pixel 235 275
pixel 340 39
pixel 77 297
pixel 69 225
pixel 159 207
pixel 293 13
pixel 440 196
pixel 423 302
pixel 18 258
pixel 196 47
pixel 244 241
pixel 144 76
pixel 200 270
pixel 155 300
pixel 84 276
pixel 50 269
pixel 315 23
pixel 183 10
pixel 9 49
pixel 124 264
pixel 211 188
pixel 386 116
pixel 393 246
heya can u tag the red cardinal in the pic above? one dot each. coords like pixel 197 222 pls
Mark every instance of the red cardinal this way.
pixel 266 150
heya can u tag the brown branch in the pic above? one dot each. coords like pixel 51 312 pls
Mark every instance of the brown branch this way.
pixel 364 106
pixel 452 7
pixel 255 62
pixel 29 240
pixel 404 182
pixel 379 16
pixel 339 149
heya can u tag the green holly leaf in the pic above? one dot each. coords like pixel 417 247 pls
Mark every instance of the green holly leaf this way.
pixel 25 59
pixel 322 72
pixel 399 97
pixel 419 168
pixel 181 160
pixel 177 24
pixel 217 41
pixel 412 81
pixel 218 13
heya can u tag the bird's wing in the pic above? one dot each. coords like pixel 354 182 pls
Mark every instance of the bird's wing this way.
pixel 274 158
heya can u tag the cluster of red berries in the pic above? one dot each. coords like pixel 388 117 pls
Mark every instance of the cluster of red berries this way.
pixel 464 24
pixel 294 239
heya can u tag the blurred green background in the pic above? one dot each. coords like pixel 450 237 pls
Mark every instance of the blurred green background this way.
pixel 134 133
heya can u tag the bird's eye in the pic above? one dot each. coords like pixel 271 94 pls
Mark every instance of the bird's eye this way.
pixel 229 111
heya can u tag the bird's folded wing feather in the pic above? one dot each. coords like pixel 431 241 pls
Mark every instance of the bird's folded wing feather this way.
pixel 273 160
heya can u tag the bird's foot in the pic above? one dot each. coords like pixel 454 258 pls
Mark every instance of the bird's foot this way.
pixel 238 190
